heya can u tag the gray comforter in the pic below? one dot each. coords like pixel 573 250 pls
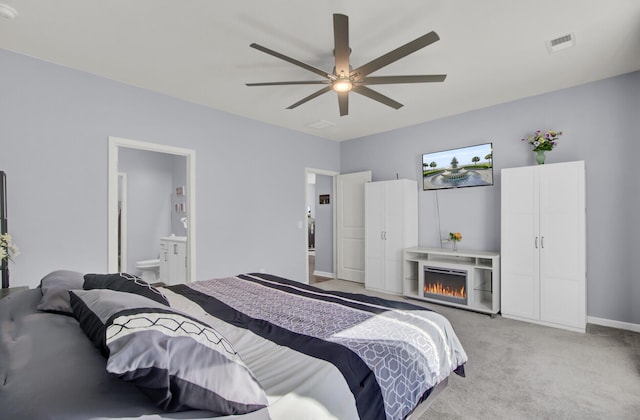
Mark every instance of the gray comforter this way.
pixel 49 369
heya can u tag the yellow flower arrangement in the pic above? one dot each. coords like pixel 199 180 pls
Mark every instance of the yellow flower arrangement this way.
pixel 455 236
pixel 8 250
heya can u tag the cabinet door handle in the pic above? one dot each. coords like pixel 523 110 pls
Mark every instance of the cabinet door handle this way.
pixel 542 242
pixel 536 242
pixel 385 235
pixel 165 256
pixel 382 235
pixel 175 249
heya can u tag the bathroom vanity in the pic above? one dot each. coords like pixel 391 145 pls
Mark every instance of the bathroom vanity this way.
pixel 173 260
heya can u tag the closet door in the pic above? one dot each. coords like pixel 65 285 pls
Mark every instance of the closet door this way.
pixel 562 244
pixel 391 224
pixel 394 232
pixel 519 243
pixel 374 249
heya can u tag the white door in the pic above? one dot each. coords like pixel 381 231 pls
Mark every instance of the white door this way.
pixel 562 276
pixel 520 243
pixel 394 231
pixel 350 225
pixel 374 236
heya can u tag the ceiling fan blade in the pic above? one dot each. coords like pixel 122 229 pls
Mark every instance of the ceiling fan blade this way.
pixel 395 55
pixel 341 44
pixel 343 103
pixel 310 97
pixel 302 82
pixel 291 60
pixel 384 80
pixel 372 94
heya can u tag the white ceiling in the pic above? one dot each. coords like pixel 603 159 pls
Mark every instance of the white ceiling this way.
pixel 493 51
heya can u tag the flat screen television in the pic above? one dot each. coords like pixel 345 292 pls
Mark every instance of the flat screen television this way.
pixel 470 166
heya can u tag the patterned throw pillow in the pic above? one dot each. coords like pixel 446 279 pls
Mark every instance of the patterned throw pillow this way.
pixel 123 282
pixel 94 308
pixel 179 362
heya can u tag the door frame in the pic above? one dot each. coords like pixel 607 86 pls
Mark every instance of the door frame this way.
pixel 333 175
pixel 122 238
pixel 115 143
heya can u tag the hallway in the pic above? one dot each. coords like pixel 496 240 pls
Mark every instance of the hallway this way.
pixel 312 268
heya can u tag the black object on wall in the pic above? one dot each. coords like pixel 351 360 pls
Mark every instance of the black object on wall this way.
pixel 4 267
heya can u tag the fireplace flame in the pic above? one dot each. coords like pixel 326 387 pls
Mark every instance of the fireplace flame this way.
pixel 440 289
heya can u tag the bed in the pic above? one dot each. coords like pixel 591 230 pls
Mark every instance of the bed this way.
pixel 252 347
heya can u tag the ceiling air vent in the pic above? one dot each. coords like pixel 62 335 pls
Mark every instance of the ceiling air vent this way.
pixel 320 124
pixel 561 43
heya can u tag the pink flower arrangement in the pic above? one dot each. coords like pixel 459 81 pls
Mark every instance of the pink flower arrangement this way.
pixel 543 140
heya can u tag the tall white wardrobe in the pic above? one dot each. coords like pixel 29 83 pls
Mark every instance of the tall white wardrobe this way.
pixel 543 245
pixel 390 226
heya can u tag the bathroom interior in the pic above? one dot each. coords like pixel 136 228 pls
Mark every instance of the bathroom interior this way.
pixel 320 227
pixel 152 215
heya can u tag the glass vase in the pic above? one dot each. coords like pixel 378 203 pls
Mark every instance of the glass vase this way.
pixel 455 245
pixel 540 157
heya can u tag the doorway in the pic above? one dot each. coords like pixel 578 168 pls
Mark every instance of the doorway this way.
pixel 320 225
pixel 115 228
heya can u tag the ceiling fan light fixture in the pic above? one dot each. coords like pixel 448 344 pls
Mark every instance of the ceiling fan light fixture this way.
pixel 344 79
pixel 342 85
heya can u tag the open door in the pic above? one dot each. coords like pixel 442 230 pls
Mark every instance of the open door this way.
pixel 350 225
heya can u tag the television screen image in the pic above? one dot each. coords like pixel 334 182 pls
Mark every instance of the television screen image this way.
pixel 470 166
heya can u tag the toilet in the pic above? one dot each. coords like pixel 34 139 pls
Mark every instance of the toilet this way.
pixel 149 269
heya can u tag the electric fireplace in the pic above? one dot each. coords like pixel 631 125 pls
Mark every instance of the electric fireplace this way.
pixel 445 284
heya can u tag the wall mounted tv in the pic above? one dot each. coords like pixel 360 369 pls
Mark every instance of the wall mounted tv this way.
pixel 470 166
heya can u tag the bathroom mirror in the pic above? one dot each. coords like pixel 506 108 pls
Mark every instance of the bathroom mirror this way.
pixel 151 205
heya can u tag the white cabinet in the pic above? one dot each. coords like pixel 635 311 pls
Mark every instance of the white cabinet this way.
pixel 543 244
pixel 390 225
pixel 173 260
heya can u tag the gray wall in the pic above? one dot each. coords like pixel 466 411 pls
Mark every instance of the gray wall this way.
pixel 601 124
pixel 324 225
pixel 55 122
pixel 54 129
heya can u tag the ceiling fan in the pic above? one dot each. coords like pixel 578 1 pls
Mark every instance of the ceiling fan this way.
pixel 344 80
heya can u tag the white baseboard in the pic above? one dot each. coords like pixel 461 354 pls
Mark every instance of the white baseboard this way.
pixel 324 274
pixel 613 324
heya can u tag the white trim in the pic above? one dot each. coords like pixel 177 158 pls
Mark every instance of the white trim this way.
pixel 122 179
pixel 324 274
pixel 112 204
pixel 613 324
pixel 333 174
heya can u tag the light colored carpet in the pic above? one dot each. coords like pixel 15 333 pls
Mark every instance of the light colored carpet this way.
pixel 518 370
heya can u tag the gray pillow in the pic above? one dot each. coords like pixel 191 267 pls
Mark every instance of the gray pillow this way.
pixel 55 288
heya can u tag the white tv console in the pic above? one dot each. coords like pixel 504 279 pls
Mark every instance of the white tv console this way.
pixel 483 275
